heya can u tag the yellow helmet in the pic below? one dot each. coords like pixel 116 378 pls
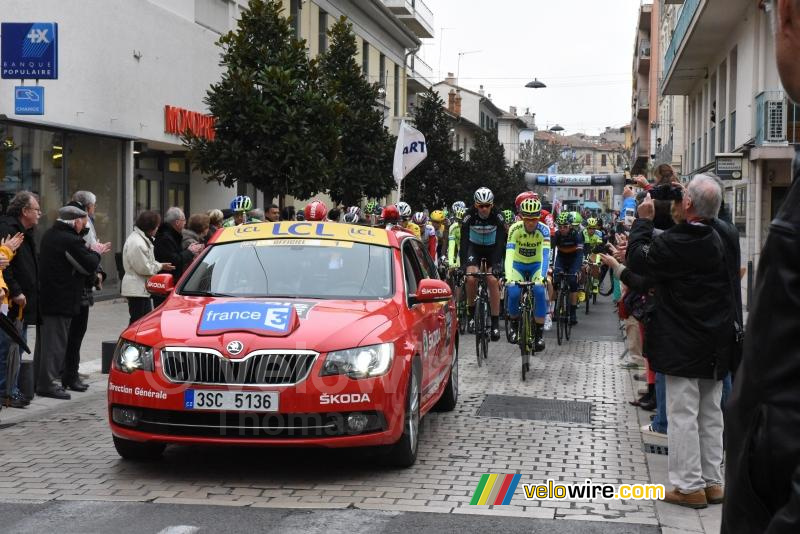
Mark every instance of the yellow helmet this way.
pixel 437 216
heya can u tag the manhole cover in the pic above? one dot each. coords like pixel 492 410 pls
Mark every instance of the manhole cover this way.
pixel 649 448
pixel 511 407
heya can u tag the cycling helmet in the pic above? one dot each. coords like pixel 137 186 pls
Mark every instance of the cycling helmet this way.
pixel 564 219
pixel 351 217
pixel 241 203
pixel 370 208
pixel 530 208
pixel 461 213
pixel 459 205
pixel 390 214
pixel 420 219
pixel 404 209
pixel 355 210
pixel 300 216
pixel 484 195
pixel 316 211
pixel 522 196
pixel 591 222
pixel 438 216
pixel 508 216
pixel 576 218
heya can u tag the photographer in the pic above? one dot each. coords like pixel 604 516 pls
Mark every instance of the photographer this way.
pixel 690 335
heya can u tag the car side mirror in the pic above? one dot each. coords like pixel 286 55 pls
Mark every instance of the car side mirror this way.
pixel 430 290
pixel 160 284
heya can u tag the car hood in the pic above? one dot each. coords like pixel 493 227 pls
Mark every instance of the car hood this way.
pixel 319 325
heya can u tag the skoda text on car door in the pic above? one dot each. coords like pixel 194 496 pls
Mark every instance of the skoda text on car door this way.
pixel 290 334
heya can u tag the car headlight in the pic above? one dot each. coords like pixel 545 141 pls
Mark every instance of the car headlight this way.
pixel 130 356
pixel 361 362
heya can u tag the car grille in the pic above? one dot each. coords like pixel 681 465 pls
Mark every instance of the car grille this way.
pixel 257 369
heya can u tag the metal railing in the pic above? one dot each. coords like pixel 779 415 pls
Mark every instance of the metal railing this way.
pixel 420 68
pixel 643 99
pixel 679 34
pixel 644 48
pixel 422 11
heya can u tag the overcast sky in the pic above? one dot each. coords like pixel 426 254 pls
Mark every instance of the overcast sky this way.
pixel 582 50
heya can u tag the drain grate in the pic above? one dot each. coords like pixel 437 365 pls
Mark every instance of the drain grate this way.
pixel 649 448
pixel 512 407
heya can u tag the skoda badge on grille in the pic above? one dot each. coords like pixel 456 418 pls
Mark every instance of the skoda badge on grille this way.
pixel 234 347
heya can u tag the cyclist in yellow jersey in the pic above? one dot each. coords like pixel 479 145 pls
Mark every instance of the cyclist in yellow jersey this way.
pixel 528 257
pixel 405 219
pixel 593 244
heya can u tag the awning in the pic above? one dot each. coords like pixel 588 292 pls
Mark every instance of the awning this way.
pixel 592 206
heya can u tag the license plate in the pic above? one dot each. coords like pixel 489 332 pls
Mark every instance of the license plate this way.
pixel 232 401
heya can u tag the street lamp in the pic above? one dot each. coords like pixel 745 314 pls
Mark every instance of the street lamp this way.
pixel 557 128
pixel 535 84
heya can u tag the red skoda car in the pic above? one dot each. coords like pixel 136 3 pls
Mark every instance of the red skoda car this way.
pixel 290 334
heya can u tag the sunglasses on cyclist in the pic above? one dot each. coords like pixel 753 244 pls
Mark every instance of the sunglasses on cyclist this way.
pixel 483 205
pixel 536 218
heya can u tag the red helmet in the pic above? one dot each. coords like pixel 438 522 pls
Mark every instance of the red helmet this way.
pixel 390 213
pixel 315 211
pixel 523 196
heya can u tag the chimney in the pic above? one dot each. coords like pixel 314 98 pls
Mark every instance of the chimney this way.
pixel 451 79
pixel 481 91
pixel 513 110
pixel 457 103
pixel 451 101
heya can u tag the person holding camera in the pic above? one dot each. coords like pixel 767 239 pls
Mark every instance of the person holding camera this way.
pixel 689 335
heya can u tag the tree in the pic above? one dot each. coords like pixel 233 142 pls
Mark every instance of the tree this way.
pixel 364 166
pixel 435 182
pixel 275 127
pixel 488 168
pixel 541 155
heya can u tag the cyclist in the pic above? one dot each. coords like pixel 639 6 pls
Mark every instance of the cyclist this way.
pixel 405 219
pixel 509 218
pixel 454 238
pixel 353 215
pixel 523 196
pixel 240 206
pixel 371 212
pixel 315 211
pixel 439 222
pixel 428 234
pixel 568 244
pixel 593 244
pixel 577 220
pixel 483 237
pixel 528 257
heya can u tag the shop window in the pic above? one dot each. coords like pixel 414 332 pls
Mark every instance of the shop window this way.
pixel 322 22
pixel 176 165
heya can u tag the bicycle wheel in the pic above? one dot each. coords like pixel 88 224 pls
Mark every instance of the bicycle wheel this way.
pixel 588 292
pixel 561 316
pixel 479 330
pixel 462 311
pixel 567 315
pixel 506 319
pixel 487 325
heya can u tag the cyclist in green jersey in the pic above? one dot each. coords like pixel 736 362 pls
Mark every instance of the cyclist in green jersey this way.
pixel 593 244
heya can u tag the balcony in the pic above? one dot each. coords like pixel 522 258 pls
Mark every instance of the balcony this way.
pixel 645 16
pixel 643 104
pixel 644 56
pixel 701 33
pixel 414 14
pixel 419 75
pixel 777 120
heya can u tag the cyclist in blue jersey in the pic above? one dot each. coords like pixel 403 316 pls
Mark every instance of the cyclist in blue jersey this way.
pixel 483 237
pixel 568 244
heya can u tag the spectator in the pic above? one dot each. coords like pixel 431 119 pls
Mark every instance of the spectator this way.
pixel 139 262
pixel 168 249
pixel 22 278
pixel 273 213
pixel 335 214
pixel 216 218
pixel 763 414
pixel 287 213
pixel 255 215
pixel 196 230
pixel 66 262
pixel 8 248
pixel 70 379
pixel 689 337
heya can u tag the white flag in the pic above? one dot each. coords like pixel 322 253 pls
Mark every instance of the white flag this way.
pixel 409 152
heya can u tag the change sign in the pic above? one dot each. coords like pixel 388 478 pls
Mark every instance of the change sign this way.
pixel 29 50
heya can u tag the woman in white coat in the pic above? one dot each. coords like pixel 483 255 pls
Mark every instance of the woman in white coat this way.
pixel 140 264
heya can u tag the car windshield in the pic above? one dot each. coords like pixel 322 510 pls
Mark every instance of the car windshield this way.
pixel 293 268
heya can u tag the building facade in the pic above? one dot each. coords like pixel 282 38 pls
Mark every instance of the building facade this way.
pixel 112 116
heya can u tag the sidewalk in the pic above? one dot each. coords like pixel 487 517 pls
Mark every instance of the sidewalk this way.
pixel 107 320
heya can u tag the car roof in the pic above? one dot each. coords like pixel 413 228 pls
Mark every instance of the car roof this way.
pixel 324 230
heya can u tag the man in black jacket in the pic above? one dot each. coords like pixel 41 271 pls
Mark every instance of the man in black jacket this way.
pixel 66 261
pixel 22 277
pixel 689 336
pixel 168 246
pixel 763 413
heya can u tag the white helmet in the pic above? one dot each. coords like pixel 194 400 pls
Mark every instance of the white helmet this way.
pixel 484 195
pixel 404 209
pixel 459 205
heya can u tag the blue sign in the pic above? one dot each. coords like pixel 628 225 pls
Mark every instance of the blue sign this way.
pixel 259 317
pixel 29 100
pixel 29 50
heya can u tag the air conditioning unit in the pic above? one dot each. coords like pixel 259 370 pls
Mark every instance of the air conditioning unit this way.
pixel 775 121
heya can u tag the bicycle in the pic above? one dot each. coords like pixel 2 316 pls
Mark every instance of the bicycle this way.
pixel 562 319
pixel 456 279
pixel 482 319
pixel 525 327
pixel 504 311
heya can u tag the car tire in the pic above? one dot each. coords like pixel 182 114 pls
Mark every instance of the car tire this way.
pixel 449 399
pixel 137 450
pixel 404 452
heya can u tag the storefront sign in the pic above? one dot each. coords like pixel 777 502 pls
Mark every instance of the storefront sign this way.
pixel 178 120
pixel 730 166
pixel 29 100
pixel 29 50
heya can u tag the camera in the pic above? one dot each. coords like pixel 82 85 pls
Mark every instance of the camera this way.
pixel 667 192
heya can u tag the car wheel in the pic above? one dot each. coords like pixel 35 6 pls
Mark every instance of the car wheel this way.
pixel 449 399
pixel 404 452
pixel 136 450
